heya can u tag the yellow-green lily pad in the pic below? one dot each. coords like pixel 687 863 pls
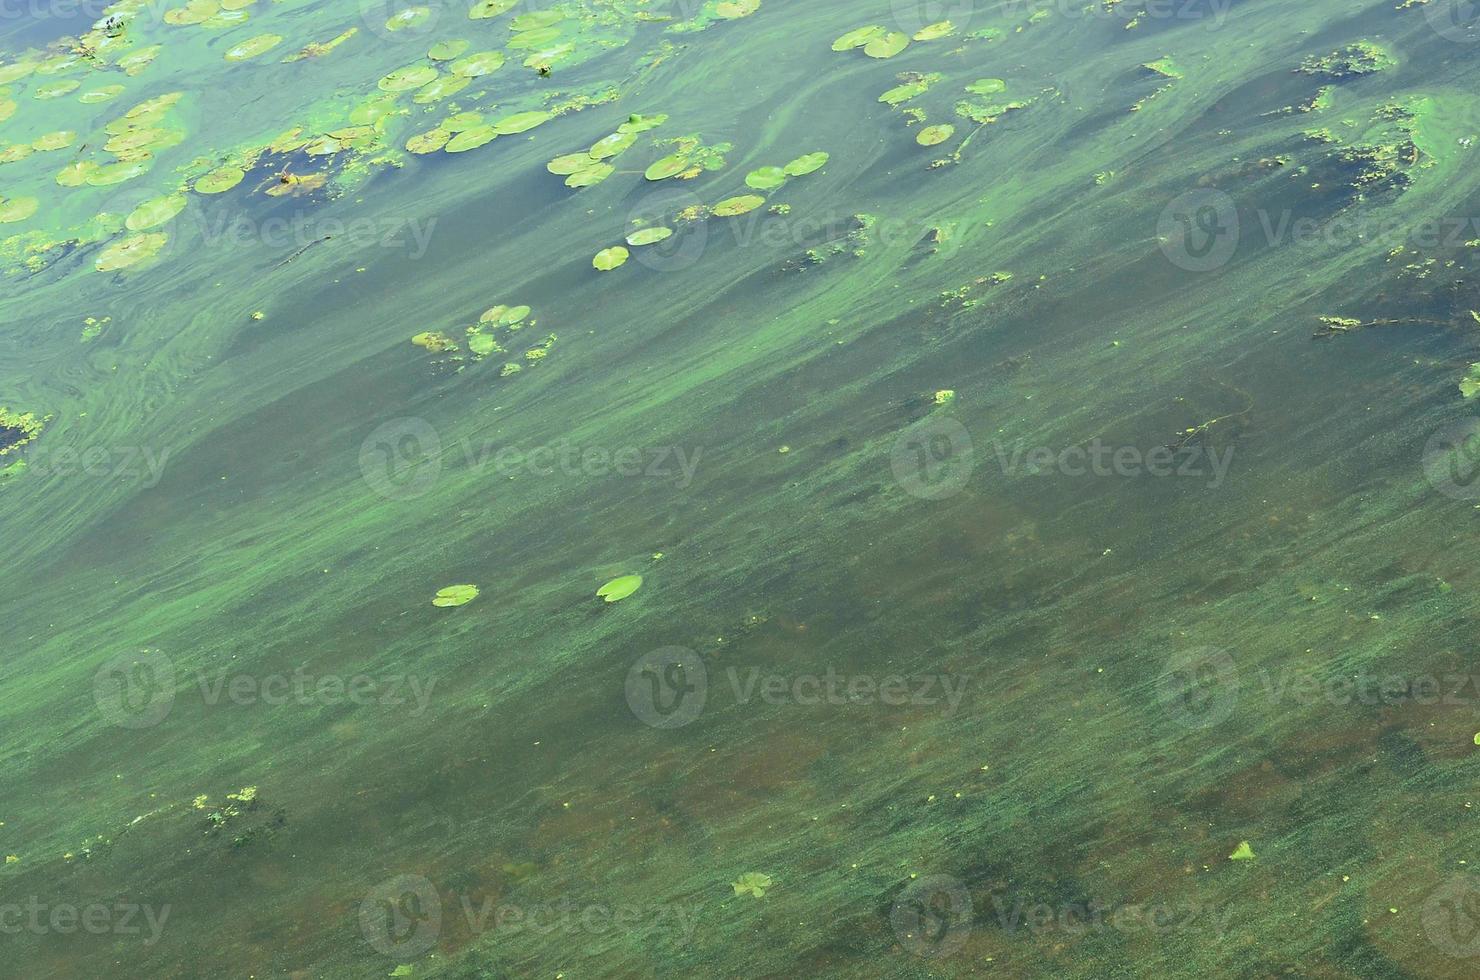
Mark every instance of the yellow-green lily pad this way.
pixel 647 236
pixel 620 588
pixel 130 251
pixel 886 45
pixel 931 135
pixel 440 88
pixel 17 208
pixel 765 178
pixel 606 260
pixel 470 139
pixel 733 206
pixel 447 50
pixel 455 595
pixel 520 122
pixel 410 17
pixel 252 47
pixel 59 140
pixel 477 65
pixel 806 164
pixel 155 212
pixel 931 32
pixel 752 883
pixel 484 9
pixel 219 180
pixel 429 142
pixel 669 166
pixel 408 78
pixel 859 37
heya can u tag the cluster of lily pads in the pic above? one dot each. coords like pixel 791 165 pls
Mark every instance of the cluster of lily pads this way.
pixel 587 167
pixel 483 342
pixel 767 178
pixel 878 41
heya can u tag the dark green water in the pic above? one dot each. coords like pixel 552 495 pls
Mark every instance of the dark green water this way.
pixel 1011 552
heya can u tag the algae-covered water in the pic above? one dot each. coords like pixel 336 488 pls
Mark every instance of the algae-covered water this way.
pixel 665 488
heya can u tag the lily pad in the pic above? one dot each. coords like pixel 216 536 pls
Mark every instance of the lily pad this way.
pixel 429 142
pixel 408 78
pixel 448 49
pixel 931 32
pixel 155 212
pixel 59 140
pixel 807 164
pixel 620 588
pixel 479 64
pixel 472 138
pixel 733 206
pixel 765 178
pixel 17 208
pixel 253 47
pixel 116 173
pixel 1469 385
pixel 55 90
pixel 440 88
pixel 219 180
pixel 535 20
pixel 610 146
pixel 859 37
pixel 735 9
pixel 534 39
pixel 606 260
pixel 931 135
pixel 569 164
pixel 887 45
pixel 1242 853
pixel 638 123
pixel 520 122
pixel 130 251
pixel 406 19
pixel 987 86
pixel 752 883
pixel 102 94
pixel 669 166
pixel 455 595
pixel 648 236
pixel 484 9
pixel 594 174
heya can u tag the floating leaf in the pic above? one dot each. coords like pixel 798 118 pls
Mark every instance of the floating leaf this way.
pixel 732 206
pixel 455 595
pixel 859 37
pixel 610 146
pixel 429 142
pixel 735 9
pixel 155 212
pixel 593 174
pixel 97 95
pixel 441 88
pixel 638 123
pixel 534 39
pixel 478 65
pixel 807 164
pixel 931 32
pixel 1242 853
pixel 447 50
pixel 472 138
pixel 463 120
pixel 130 251
pixel 408 18
pixel 535 20
pixel 17 209
pixel 887 45
pixel 218 180
pixel 54 141
pixel 752 883
pixel 56 90
pixel 765 178
pixel 252 47
pixel 408 78
pixel 520 122
pixel 931 135
pixel 116 173
pixel 512 315
pixel 569 164
pixel 987 86
pixel 669 166
pixel 647 236
pixel 434 341
pixel 1469 385
pixel 484 9
pixel 605 261
pixel 620 588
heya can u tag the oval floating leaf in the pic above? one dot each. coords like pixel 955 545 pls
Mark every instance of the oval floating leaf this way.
pixel 620 588
pixel 520 122
pixel 931 135
pixel 477 65
pixel 17 209
pixel 408 78
pixel 155 212
pixel 887 45
pixel 447 50
pixel 807 164
pixel 931 32
pixel 732 206
pixel 455 595
pixel 609 258
pixel 470 139
pixel 765 178
pixel 669 166
pixel 647 236
pixel 858 38
pixel 218 180
pixel 252 47
pixel 130 251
